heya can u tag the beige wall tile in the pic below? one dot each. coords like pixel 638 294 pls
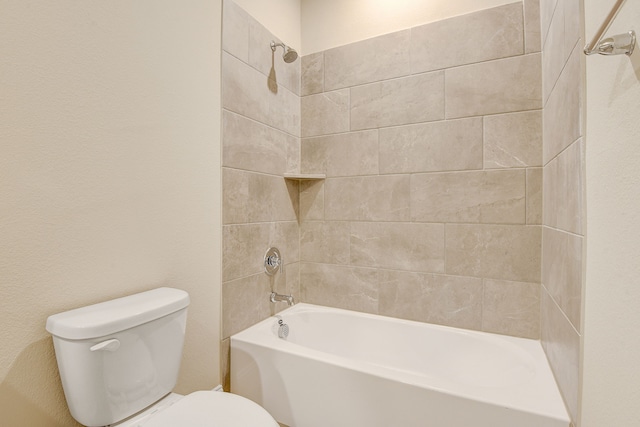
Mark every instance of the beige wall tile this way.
pixel 225 363
pixel 511 308
pixel 245 91
pixel 433 298
pixel 562 345
pixel 351 288
pixel 547 8
pixel 255 197
pixel 429 147
pixel 373 198
pixel 532 36
pixel 345 154
pixel 475 37
pixel 562 116
pixel 513 140
pixel 562 271
pixel 501 86
pixel 405 100
pixel 507 252
pixel 399 246
pixel 563 189
pixel 325 113
pixel 235 30
pixel 311 200
pixel 325 242
pixel 245 302
pixel 572 26
pixel 244 246
pixel 534 196
pixel 553 58
pixel 484 196
pixel 235 193
pixel 367 61
pixel 270 63
pixel 253 146
pixel 312 72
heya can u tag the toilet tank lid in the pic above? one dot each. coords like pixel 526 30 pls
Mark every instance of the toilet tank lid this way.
pixel 116 315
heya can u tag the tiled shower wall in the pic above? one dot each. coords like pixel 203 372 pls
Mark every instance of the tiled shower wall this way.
pixel 261 142
pixel 563 217
pixel 431 140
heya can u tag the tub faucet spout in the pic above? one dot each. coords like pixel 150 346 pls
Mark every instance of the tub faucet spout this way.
pixel 274 297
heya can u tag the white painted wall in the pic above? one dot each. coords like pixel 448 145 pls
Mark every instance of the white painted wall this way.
pixel 281 17
pixel 109 178
pixel 612 299
pixel 332 23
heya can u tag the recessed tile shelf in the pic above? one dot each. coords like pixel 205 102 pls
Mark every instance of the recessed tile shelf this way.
pixel 305 176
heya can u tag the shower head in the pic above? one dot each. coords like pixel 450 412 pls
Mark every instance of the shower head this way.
pixel 289 55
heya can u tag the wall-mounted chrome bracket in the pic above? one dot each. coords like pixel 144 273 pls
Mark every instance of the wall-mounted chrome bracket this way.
pixel 615 45
pixel 272 261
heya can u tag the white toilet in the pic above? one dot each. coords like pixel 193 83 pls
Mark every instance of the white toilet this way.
pixel 119 361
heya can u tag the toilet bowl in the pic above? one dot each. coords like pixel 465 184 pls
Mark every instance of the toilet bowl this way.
pixel 119 362
pixel 202 409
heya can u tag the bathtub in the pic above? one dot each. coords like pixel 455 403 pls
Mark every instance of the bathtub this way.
pixel 342 368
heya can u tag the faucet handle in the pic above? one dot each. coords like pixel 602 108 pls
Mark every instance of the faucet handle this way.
pixel 273 261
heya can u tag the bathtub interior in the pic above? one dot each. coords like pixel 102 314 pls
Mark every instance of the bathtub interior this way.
pixel 428 360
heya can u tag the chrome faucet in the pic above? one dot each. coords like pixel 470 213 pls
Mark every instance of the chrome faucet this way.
pixel 274 297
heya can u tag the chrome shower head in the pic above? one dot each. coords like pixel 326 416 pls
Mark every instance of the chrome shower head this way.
pixel 289 55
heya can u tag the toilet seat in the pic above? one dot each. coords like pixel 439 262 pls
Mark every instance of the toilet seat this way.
pixel 211 409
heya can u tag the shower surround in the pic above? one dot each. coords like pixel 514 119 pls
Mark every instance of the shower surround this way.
pixel 431 209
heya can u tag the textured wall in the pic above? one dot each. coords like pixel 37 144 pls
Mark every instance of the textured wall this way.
pixel 432 202
pixel 611 372
pixel 563 189
pixel 261 129
pixel 109 178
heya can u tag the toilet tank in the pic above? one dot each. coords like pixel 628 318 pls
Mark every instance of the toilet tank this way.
pixel 117 357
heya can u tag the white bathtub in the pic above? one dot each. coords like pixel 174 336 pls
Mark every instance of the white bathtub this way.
pixel 342 368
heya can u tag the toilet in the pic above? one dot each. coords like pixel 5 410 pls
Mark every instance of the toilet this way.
pixel 119 362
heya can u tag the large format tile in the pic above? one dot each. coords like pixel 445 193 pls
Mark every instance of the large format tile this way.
pixel 501 86
pixel 373 198
pixel 325 113
pixel 379 58
pixel 325 242
pixel 429 147
pixel 433 298
pixel 562 116
pixel 532 36
pixel 312 74
pixel 511 308
pixel 475 37
pixel 245 302
pixel 255 197
pixel 506 252
pixel 246 91
pixel 405 100
pixel 562 271
pixel 494 197
pixel 513 140
pixel 398 246
pixel 244 246
pixel 311 200
pixel 253 146
pixel 345 154
pixel 553 58
pixel 534 196
pixel 351 288
pixel 235 30
pixel 563 190
pixel 561 343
